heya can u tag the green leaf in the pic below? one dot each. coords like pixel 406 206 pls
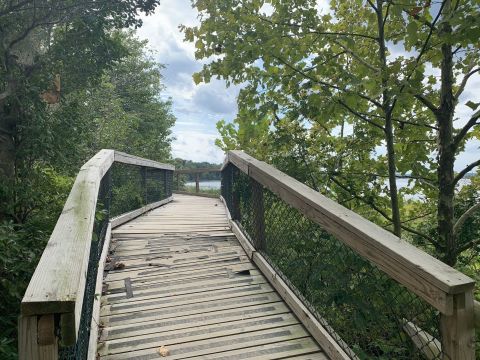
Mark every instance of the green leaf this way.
pixel 197 78
pixel 472 105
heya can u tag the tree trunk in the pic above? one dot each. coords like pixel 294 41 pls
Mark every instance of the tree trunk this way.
pixel 389 136
pixel 392 177
pixel 446 151
pixel 7 161
pixel 7 154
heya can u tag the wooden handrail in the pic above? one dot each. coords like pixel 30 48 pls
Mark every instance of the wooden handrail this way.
pixel 196 171
pixel 476 306
pixel 448 290
pixel 135 160
pixel 58 283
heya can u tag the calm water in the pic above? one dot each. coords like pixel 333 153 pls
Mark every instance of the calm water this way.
pixel 206 184
pixel 215 184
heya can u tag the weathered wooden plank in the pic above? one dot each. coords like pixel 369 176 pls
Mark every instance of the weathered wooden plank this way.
pixel 226 343
pixel 131 251
pixel 144 229
pixel 121 219
pixel 182 278
pixel 184 299
pixel 185 280
pixel 173 231
pixel 197 333
pixel 184 310
pixel 149 253
pixel 135 160
pixel 279 350
pixel 179 273
pixel 158 290
pixel 147 271
pixel 188 321
pixel 167 261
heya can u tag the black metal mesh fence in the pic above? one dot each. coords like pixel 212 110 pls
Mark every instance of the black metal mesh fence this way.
pixel 369 314
pixel 136 186
pixel 124 188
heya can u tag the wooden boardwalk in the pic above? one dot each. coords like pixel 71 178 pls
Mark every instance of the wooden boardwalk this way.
pixel 178 285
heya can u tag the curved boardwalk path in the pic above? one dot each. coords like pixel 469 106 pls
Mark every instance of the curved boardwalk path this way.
pixel 180 286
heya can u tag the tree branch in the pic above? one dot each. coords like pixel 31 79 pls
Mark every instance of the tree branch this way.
pixel 314 31
pixel 326 84
pixel 461 220
pixel 360 116
pixel 427 103
pixel 357 57
pixel 465 171
pixel 385 215
pixel 467 246
pixel 463 132
pixel 464 82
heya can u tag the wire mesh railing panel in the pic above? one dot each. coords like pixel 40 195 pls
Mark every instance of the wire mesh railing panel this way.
pixel 124 188
pixel 136 186
pixel 369 314
pixel 128 188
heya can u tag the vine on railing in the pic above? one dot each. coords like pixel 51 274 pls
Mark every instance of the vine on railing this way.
pixel 364 310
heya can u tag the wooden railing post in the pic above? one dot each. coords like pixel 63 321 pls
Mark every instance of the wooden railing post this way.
pixel 165 185
pixel 458 329
pixel 36 338
pixel 143 172
pixel 197 183
pixel 258 212
pixel 236 214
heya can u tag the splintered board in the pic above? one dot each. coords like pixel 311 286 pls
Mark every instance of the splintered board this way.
pixel 178 285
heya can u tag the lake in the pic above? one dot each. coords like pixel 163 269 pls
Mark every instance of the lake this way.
pixel 206 184
pixel 215 184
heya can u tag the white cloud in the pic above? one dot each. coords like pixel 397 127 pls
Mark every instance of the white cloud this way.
pixel 197 108
pixel 196 146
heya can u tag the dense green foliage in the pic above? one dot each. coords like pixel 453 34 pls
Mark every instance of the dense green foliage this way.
pixel 71 82
pixel 355 99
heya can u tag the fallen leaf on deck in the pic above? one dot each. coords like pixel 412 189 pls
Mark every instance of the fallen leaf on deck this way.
pixel 119 266
pixel 163 351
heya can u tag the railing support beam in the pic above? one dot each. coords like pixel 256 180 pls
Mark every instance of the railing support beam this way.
pixel 36 338
pixel 458 331
pixel 258 208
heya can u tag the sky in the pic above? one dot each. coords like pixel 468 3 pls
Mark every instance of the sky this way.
pixel 199 107
pixel 196 107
